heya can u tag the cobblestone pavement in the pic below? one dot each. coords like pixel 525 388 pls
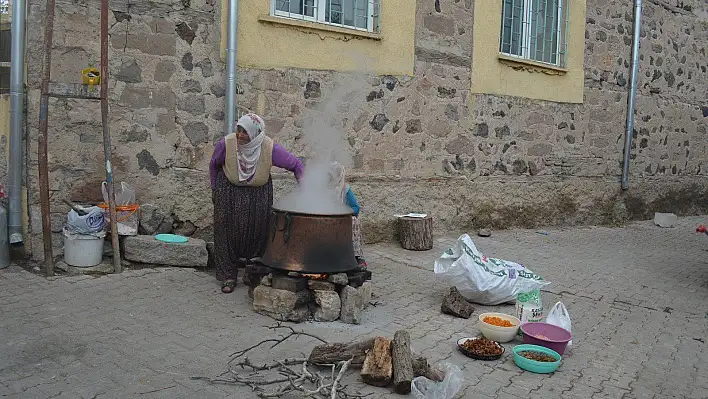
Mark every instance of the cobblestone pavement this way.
pixel 638 298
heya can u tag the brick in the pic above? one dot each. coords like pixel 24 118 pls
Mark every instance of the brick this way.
pixel 357 279
pixel 292 284
pixel 329 305
pixel 319 285
pixel 352 305
pixel 665 219
pixel 281 304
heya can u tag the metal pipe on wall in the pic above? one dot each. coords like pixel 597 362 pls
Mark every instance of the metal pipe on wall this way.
pixel 17 93
pixel 231 44
pixel 632 98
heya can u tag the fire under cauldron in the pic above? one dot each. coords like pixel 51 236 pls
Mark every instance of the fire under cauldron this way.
pixel 310 243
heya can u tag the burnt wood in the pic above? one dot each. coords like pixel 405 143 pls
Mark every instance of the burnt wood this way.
pixel 455 304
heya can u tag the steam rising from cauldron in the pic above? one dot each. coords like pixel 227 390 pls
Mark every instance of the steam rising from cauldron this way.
pixel 325 140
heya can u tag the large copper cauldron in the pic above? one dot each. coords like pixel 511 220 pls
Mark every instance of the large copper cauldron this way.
pixel 311 244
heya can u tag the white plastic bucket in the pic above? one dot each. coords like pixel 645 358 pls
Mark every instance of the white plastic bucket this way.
pixel 83 250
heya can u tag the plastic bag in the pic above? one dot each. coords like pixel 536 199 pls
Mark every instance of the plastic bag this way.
pixel 559 316
pixel 92 222
pixel 423 388
pixel 529 307
pixel 483 280
pixel 125 195
pixel 126 209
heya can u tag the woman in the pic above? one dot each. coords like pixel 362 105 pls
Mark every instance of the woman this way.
pixel 242 193
pixel 345 193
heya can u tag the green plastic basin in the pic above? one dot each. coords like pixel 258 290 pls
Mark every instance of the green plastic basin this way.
pixel 532 365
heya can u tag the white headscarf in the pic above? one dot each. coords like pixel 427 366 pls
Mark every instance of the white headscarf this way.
pixel 249 154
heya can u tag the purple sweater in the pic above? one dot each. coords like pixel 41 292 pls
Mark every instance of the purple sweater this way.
pixel 281 159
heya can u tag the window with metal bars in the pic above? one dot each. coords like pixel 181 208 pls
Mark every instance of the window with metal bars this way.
pixel 535 30
pixel 353 14
pixel 5 47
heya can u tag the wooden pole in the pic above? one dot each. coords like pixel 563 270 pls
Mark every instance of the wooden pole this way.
pixel 117 266
pixel 43 163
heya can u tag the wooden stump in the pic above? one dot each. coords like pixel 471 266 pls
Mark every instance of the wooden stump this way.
pixel 416 234
pixel 339 352
pixel 402 362
pixel 378 365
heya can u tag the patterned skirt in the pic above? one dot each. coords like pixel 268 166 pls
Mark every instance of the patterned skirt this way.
pixel 241 222
pixel 356 236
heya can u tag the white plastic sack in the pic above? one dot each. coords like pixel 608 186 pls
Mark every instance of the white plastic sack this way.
pixel 483 280
pixel 559 316
pixel 423 388
pixel 92 222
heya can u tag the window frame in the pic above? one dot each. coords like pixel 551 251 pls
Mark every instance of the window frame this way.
pixel 5 57
pixel 562 28
pixel 321 8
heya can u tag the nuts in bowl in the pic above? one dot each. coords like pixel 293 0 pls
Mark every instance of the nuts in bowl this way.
pixel 498 327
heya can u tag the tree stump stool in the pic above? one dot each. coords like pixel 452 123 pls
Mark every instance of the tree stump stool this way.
pixel 416 234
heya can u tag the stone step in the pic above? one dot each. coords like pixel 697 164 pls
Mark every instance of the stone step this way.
pixel 148 250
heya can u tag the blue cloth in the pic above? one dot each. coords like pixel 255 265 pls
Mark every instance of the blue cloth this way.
pixel 352 202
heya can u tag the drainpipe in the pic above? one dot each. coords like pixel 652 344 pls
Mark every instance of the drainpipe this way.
pixel 632 100
pixel 17 81
pixel 231 43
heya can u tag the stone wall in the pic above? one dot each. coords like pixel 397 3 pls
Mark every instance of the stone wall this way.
pixel 417 143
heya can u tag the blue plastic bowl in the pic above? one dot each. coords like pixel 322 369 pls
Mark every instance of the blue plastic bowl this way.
pixel 532 365
pixel 171 238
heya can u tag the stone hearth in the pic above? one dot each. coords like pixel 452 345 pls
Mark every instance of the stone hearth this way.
pixel 301 297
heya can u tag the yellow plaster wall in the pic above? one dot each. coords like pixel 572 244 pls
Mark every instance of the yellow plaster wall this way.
pixel 267 44
pixel 492 75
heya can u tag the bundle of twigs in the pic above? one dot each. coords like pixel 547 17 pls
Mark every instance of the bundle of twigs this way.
pixel 289 375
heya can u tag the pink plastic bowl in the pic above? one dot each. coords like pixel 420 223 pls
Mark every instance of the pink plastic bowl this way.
pixel 557 337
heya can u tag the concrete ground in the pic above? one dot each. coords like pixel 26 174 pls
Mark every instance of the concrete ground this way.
pixel 638 298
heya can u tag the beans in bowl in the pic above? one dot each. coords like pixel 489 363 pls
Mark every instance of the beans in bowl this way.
pixel 482 346
pixel 538 356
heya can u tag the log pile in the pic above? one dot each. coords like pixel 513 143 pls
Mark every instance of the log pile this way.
pixel 383 362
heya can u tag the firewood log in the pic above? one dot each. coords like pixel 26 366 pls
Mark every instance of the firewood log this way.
pixel 378 365
pixel 402 362
pixel 340 352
